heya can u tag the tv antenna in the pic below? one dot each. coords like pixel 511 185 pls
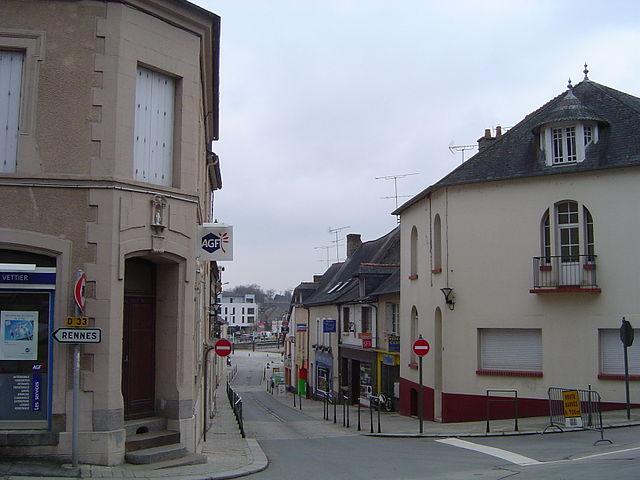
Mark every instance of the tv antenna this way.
pixel 336 231
pixel 326 249
pixel 395 187
pixel 461 148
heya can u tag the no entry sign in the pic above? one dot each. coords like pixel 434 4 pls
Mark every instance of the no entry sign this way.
pixel 223 347
pixel 421 347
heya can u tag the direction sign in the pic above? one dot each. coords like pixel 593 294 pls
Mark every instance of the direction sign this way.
pixel 78 335
pixel 421 347
pixel 222 347
pixel 77 322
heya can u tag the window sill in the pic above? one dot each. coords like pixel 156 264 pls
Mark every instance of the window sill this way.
pixel 508 373
pixel 413 277
pixel 611 376
pixel 545 268
pixel 436 270
pixel 413 366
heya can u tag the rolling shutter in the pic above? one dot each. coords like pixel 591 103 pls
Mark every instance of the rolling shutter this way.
pixel 612 352
pixel 153 135
pixel 10 86
pixel 511 349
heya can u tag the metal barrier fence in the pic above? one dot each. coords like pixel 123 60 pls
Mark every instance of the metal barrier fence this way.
pixel 501 399
pixel 575 408
pixel 236 404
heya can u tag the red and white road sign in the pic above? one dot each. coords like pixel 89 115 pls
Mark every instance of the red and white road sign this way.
pixel 223 347
pixel 421 347
pixel 78 291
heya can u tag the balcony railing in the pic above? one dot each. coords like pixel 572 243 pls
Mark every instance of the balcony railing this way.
pixel 565 273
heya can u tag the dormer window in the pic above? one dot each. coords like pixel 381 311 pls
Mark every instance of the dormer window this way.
pixel 566 143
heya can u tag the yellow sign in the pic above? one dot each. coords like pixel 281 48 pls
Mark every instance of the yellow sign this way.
pixel 571 402
pixel 77 322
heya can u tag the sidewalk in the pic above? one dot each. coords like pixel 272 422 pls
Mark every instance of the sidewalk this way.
pixel 396 425
pixel 228 456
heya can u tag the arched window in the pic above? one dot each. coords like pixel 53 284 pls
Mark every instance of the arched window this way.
pixel 588 235
pixel 567 246
pixel 414 253
pixel 414 332
pixel 546 237
pixel 437 244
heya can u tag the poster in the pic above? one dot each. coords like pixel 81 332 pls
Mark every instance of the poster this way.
pixel 18 335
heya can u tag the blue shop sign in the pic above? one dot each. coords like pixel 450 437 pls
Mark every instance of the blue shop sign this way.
pixel 394 343
pixel 388 360
pixel 28 278
pixel 328 326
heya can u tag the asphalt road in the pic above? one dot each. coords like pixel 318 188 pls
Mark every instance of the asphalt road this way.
pixel 300 447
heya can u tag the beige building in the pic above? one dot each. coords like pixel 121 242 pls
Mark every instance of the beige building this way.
pixel 105 167
pixel 535 236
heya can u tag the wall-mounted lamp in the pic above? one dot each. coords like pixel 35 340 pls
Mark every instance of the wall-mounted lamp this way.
pixel 448 297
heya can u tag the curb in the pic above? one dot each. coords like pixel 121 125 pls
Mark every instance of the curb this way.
pixel 259 463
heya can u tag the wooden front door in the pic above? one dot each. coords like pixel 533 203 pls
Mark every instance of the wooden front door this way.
pixel 138 357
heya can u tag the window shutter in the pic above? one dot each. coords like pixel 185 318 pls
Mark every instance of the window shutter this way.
pixel 612 352
pixel 10 87
pixel 153 135
pixel 512 349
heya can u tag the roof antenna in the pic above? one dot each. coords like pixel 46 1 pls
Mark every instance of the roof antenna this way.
pixel 395 188
pixel 336 231
pixel 460 148
pixel 585 71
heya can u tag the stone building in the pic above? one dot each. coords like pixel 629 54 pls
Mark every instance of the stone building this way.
pixel 109 111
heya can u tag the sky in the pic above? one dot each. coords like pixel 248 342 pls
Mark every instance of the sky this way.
pixel 318 98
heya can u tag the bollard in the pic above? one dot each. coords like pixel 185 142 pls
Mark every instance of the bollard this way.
pixel 379 403
pixel 334 409
pixel 344 412
pixel 294 399
pixel 359 416
pixel 300 401
pixel 371 413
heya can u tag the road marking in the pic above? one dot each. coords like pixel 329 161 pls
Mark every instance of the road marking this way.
pixel 494 452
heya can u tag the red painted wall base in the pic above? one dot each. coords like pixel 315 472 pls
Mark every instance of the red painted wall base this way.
pixel 457 407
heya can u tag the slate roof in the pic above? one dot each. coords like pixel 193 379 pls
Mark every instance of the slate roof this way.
pixel 390 285
pixel 381 252
pixel 516 154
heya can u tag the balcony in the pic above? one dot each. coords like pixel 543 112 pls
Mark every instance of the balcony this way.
pixel 565 274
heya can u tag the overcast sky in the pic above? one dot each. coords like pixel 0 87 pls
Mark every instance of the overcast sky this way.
pixel 319 98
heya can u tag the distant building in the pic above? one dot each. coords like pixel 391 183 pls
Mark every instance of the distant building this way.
pixel 240 312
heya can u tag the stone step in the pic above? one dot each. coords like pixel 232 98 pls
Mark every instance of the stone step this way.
pixel 156 454
pixel 144 425
pixel 189 459
pixel 151 439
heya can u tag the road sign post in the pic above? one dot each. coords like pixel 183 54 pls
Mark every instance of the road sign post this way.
pixel 420 348
pixel 626 336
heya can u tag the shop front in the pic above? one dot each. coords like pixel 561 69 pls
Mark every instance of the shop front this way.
pixel 27 298
pixel 358 376
pixel 323 373
pixel 388 365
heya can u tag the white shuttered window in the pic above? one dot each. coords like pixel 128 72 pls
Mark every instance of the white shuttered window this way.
pixel 510 349
pixel 10 85
pixel 612 352
pixel 153 135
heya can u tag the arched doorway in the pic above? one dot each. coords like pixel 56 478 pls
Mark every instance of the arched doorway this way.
pixel 413 405
pixel 138 339
pixel 437 365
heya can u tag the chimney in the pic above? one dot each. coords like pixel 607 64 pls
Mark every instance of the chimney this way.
pixel 353 242
pixel 486 140
pixel 498 131
pixel 316 278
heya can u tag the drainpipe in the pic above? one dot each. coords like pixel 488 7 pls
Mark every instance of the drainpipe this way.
pixel 207 350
